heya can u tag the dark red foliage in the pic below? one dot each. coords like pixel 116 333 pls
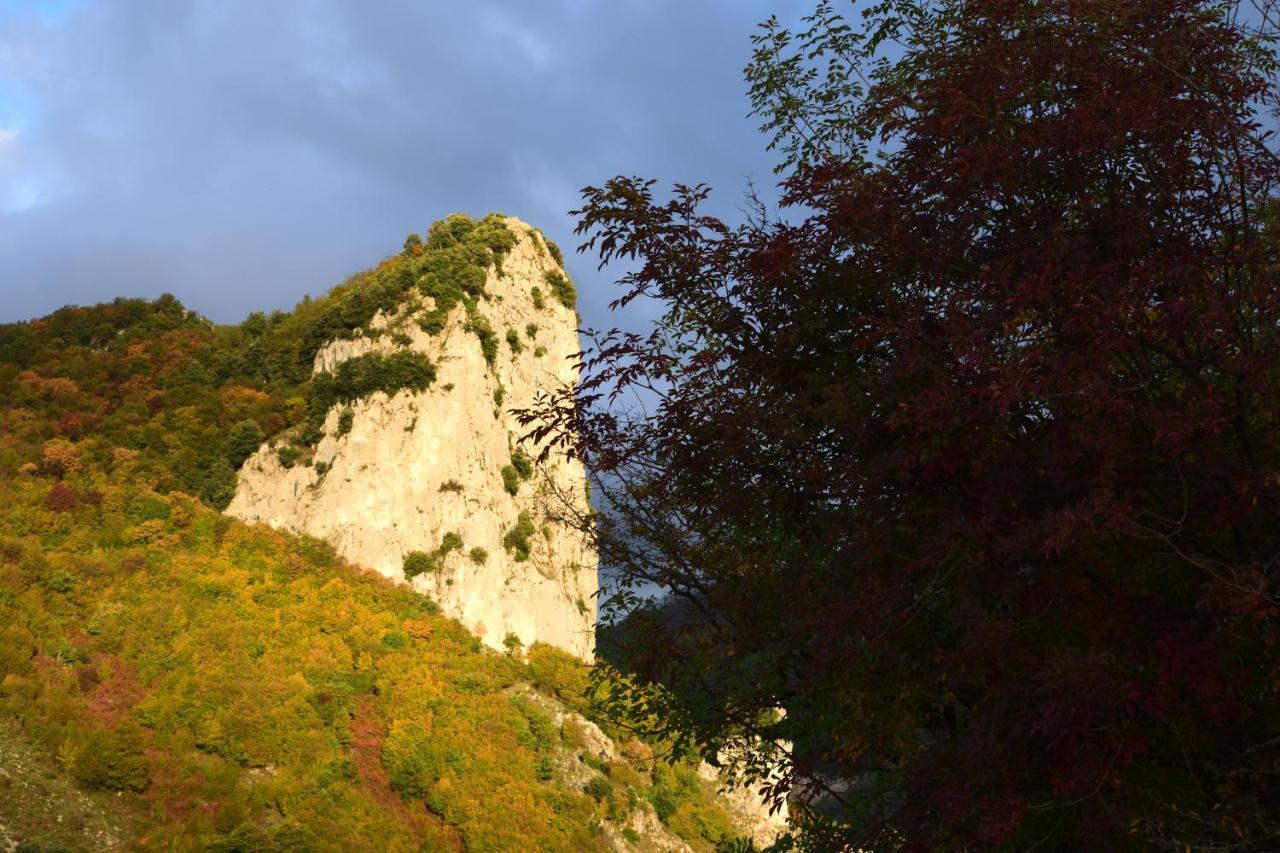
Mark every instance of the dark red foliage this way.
pixel 974 470
pixel 71 425
pixel 61 498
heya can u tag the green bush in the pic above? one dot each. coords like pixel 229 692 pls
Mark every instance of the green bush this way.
pixel 218 485
pixel 419 562
pixel 538 301
pixel 517 538
pixel 451 231
pixel 288 455
pixel 510 480
pixel 367 374
pixel 561 287
pixel 113 760
pixel 513 341
pixel 450 542
pixel 598 789
pixel 522 463
pixel 479 556
pixel 479 326
pixel 147 507
pixel 554 250
pixel 346 419
pixel 243 441
pixel 432 322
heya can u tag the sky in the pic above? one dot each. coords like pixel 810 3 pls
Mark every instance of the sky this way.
pixel 240 153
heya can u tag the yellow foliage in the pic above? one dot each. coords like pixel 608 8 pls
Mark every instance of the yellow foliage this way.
pixel 238 397
pixel 267 676
pixel 121 455
pixel 153 532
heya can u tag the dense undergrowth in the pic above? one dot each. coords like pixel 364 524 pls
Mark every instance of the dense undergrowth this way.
pixel 244 689
pixel 247 690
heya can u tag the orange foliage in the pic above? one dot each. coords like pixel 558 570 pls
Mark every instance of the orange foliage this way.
pixel 133 385
pixel 417 629
pixel 60 457
pixel 60 386
pixel 239 399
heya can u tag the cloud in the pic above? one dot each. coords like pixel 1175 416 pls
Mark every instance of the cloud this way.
pixel 240 154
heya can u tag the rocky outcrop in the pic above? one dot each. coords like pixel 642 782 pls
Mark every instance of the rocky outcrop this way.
pixel 398 473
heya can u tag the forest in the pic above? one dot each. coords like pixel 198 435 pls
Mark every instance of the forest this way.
pixel 211 685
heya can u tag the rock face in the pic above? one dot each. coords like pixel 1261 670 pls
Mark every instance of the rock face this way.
pixel 414 467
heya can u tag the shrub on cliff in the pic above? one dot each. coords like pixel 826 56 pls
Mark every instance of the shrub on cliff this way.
pixel 517 539
pixel 368 374
pixel 510 480
pixel 418 563
pixel 561 288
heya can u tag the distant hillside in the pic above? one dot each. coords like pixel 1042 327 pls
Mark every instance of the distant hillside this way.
pixel 240 688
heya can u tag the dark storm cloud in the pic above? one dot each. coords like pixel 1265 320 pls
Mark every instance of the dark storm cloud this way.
pixel 241 154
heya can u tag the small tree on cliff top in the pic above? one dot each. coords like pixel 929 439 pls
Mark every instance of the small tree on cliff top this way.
pixel 973 470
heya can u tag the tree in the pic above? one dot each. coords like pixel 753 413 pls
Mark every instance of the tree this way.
pixel 971 468
pixel 245 439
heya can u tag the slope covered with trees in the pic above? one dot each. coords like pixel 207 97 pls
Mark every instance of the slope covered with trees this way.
pixel 236 688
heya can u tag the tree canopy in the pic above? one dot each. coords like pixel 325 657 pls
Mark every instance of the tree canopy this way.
pixel 962 473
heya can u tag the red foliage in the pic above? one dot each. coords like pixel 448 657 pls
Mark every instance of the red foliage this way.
pixel 976 469
pixel 60 498
pixel 112 700
pixel 71 425
pixel 367 737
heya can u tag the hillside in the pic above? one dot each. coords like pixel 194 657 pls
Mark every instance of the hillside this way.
pixel 234 687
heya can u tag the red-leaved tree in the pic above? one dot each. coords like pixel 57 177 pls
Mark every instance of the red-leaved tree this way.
pixel 964 480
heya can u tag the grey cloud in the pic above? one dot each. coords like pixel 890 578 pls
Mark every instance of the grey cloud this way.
pixel 241 154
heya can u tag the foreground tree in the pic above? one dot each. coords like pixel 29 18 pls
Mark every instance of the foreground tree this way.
pixel 972 470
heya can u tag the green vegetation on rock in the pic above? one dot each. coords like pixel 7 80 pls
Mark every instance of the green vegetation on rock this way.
pixel 561 288
pixel 419 563
pixel 516 540
pixel 479 326
pixel 510 480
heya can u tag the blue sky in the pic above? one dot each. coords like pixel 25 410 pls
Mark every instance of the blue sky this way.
pixel 241 153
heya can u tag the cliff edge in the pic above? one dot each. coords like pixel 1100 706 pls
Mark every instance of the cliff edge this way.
pixel 438 473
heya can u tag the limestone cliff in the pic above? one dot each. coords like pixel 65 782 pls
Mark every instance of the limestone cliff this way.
pixel 394 475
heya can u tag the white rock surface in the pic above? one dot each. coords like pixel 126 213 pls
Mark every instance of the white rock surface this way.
pixel 381 497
